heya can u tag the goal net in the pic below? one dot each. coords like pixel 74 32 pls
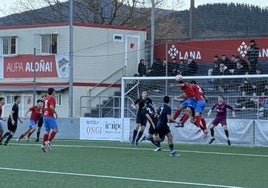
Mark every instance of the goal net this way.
pixel 247 94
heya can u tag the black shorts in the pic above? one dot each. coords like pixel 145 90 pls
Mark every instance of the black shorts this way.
pixel 40 122
pixel 163 130
pixel 151 130
pixel 138 118
pixel 11 127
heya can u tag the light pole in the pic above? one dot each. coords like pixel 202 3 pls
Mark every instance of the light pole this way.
pixel 71 59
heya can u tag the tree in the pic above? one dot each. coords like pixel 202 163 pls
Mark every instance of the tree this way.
pixel 135 13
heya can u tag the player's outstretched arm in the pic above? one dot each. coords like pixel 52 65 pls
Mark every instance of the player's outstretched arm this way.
pixel 209 112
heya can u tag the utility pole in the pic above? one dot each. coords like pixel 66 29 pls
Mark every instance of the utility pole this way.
pixel 71 59
pixel 191 29
pixel 152 31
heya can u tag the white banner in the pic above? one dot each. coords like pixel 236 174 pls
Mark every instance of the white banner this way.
pixel 240 132
pixel 261 132
pixel 104 129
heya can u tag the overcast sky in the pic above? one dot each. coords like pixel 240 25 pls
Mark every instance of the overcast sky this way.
pixel 6 5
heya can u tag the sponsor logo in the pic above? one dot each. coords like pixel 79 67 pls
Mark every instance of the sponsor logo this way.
pixel 243 48
pixel 175 53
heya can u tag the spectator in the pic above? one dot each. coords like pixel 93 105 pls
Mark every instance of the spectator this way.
pixel 232 64
pixel 191 67
pixel 253 56
pixel 260 85
pixel 243 63
pixel 226 61
pixel 217 60
pixel 224 69
pixel 174 66
pixel 246 102
pixel 157 65
pixel 182 66
pixel 247 88
pixel 221 84
pixel 142 68
pixel 215 69
pixel 239 70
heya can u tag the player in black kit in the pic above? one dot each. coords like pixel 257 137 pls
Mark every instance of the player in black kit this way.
pixel 163 130
pixel 140 121
pixel 148 112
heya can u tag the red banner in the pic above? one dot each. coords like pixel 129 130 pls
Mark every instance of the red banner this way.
pixel 204 51
pixel 22 66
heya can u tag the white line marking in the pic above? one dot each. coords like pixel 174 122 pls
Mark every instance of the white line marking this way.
pixel 116 177
pixel 147 149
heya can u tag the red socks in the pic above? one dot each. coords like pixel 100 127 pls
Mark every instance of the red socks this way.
pixel 45 138
pixel 52 135
pixel 176 114
pixel 204 124
pixel 198 121
pixel 21 136
pixel 184 118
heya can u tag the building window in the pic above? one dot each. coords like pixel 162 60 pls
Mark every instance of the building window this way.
pixel 49 44
pixel 9 45
pixel 118 37
pixel 58 99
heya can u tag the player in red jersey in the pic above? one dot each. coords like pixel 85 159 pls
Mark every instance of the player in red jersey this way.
pixel 40 121
pixel 36 113
pixel 189 102
pixel 50 116
pixel 199 120
pixel 2 102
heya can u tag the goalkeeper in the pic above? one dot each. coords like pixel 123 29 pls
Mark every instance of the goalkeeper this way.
pixel 221 116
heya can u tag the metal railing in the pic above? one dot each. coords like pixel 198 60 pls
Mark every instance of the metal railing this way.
pixel 107 106
pixel 122 70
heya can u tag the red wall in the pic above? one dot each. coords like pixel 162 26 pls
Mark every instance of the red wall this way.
pixel 204 51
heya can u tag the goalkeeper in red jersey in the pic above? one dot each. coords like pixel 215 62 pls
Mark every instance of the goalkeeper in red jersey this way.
pixel 36 113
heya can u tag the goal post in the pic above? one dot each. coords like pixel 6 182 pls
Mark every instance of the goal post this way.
pixel 247 94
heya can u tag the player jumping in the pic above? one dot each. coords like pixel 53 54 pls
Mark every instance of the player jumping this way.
pixel 189 102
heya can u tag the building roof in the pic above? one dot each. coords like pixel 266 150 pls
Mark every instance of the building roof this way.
pixel 30 86
pixel 75 24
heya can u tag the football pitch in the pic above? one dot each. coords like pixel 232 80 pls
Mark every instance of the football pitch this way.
pixel 109 164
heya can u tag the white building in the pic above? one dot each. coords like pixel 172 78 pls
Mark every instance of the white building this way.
pixel 102 54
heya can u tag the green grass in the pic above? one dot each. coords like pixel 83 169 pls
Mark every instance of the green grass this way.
pixel 93 164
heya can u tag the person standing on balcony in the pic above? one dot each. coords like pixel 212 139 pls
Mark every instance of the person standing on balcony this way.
pixel 253 56
pixel 142 68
